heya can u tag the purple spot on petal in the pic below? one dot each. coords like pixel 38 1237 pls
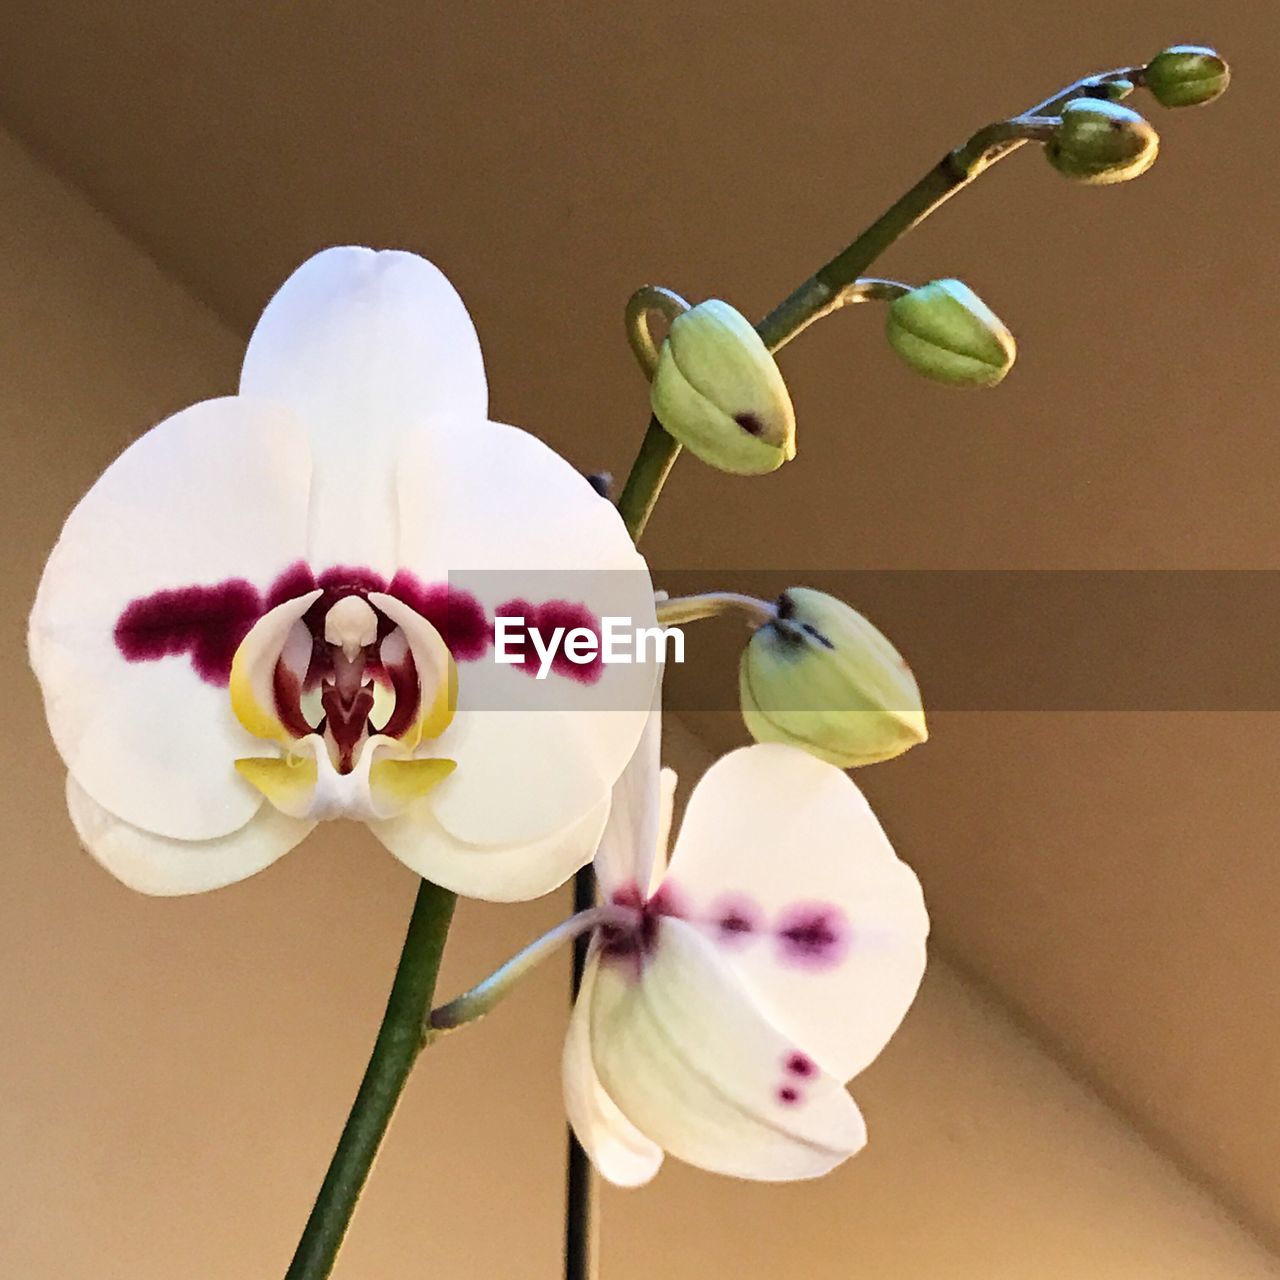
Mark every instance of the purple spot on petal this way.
pixel 545 619
pixel 206 622
pixel 813 935
pixel 666 902
pixel 788 1095
pixel 736 920
pixel 457 615
pixel 799 1064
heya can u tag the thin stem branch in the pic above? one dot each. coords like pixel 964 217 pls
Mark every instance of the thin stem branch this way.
pixel 682 609
pixel 824 291
pixel 485 996
pixel 395 1051
pixel 646 300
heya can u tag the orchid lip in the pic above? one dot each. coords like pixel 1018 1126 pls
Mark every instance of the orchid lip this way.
pixel 353 648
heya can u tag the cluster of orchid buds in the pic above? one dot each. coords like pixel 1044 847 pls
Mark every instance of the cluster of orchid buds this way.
pixel 716 388
pixel 253 622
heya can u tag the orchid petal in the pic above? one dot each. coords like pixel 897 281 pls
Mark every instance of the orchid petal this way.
pixel 395 784
pixel 362 347
pixel 613 1144
pixel 781 861
pixel 437 675
pixel 193 519
pixel 288 782
pixel 518 521
pixel 629 844
pixel 154 864
pixel 689 1060
pixel 667 783
pixel 498 873
pixel 252 685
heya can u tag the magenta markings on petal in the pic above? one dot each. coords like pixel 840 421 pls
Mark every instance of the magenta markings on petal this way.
pixel 813 935
pixel 297 580
pixel 801 1066
pixel 572 617
pixel 736 920
pixel 457 615
pixel 788 1095
pixel 637 939
pixel 207 623
pixel 546 618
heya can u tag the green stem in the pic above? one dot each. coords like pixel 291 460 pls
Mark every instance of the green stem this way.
pixel 649 472
pixel 827 289
pixel 485 996
pixel 400 1040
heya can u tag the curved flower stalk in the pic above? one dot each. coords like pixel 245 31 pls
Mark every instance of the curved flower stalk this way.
pixel 768 964
pixel 247 625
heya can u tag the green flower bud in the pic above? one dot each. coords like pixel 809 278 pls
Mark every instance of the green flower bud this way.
pixel 720 393
pixel 946 332
pixel 821 677
pixel 1101 142
pixel 1187 75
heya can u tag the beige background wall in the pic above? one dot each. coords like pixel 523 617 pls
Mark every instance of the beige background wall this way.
pixel 173 1073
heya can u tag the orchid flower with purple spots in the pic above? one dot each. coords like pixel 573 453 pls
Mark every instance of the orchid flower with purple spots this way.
pixel 247 624
pixel 733 992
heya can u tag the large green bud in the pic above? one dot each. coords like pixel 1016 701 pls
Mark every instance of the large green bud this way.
pixel 720 393
pixel 821 677
pixel 1100 142
pixel 1187 75
pixel 944 331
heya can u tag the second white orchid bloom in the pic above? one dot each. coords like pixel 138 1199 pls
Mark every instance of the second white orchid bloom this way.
pixel 248 624
pixel 767 965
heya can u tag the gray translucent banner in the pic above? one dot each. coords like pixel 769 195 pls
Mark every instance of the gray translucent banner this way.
pixel 977 640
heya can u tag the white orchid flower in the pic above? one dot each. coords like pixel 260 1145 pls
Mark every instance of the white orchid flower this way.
pixel 247 624
pixel 770 963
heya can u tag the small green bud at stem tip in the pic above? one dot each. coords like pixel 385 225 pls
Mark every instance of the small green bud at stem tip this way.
pixel 1187 75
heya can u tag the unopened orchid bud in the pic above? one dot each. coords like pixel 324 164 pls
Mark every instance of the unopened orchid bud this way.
pixel 720 393
pixel 946 332
pixel 1100 142
pixel 1187 75
pixel 821 677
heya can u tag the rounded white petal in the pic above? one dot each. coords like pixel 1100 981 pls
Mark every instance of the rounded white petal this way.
pixel 364 346
pixel 497 873
pixel 692 1063
pixel 782 863
pixel 210 506
pixel 620 1152
pixel 153 864
pixel 499 515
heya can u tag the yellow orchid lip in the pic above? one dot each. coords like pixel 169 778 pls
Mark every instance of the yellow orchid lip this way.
pixel 382 783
